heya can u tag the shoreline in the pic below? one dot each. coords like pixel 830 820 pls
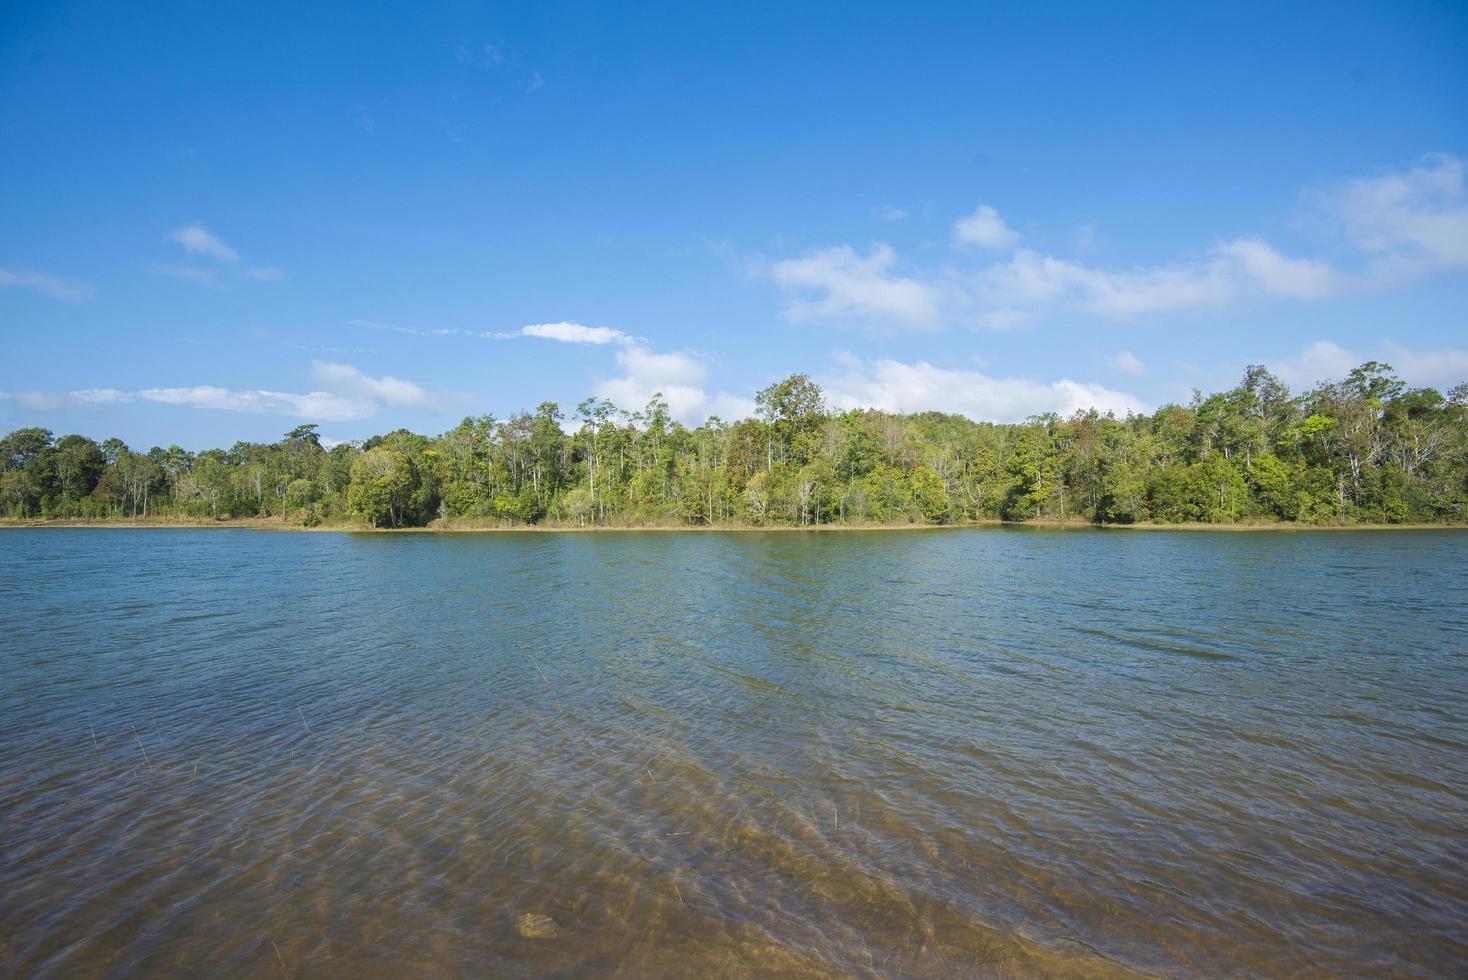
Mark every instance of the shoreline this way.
pixel 258 524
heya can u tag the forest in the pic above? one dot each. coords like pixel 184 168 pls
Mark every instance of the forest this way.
pixel 1366 449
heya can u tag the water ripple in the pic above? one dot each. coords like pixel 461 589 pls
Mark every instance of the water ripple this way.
pixel 993 753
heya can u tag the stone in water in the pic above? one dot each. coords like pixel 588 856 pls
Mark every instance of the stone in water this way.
pixel 533 925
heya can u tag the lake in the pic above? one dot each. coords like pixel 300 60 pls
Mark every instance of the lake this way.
pixel 929 753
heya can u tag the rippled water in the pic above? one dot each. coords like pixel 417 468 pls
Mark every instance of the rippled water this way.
pixel 941 753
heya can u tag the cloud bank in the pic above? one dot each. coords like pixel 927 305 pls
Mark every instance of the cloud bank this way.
pixel 1326 360
pixel 897 386
pixel 1390 228
pixel 345 395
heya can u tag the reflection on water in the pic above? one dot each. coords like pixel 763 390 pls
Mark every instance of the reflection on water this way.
pixel 923 754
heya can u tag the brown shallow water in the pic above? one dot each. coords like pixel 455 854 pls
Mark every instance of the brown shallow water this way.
pixel 989 752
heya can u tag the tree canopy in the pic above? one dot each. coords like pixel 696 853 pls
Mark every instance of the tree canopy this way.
pixel 1364 449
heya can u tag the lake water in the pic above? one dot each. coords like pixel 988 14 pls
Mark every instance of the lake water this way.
pixel 937 753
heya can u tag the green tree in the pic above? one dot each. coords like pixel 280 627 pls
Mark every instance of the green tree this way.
pixel 382 486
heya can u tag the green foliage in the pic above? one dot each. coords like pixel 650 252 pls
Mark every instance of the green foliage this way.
pixel 382 486
pixel 1363 449
pixel 929 495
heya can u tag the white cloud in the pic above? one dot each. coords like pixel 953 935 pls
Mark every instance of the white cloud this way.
pixel 573 333
pixel 315 404
pixel 66 290
pixel 565 332
pixel 1128 362
pixel 1321 361
pixel 889 214
pixel 346 379
pixel 198 240
pixel 1420 214
pixel 39 401
pixel 679 377
pixel 1234 269
pixel 1325 360
pixel 1400 225
pixel 847 285
pixel 1013 292
pixel 347 394
pixel 1033 280
pixel 81 399
pixel 1443 368
pixel 730 408
pixel 895 386
pixel 985 229
pixel 100 396
pixel 1279 275
pixel 644 373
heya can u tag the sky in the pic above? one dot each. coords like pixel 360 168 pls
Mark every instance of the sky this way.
pixel 220 221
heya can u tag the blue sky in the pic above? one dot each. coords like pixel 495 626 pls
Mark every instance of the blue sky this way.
pixel 215 224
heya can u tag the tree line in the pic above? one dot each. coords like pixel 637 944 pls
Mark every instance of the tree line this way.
pixel 1364 449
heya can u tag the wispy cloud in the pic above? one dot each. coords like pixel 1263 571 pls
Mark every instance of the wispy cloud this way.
pixel 101 396
pixel 188 273
pixel 1419 215
pixel 564 331
pixel 487 54
pixel 322 405
pixel 421 331
pixel 641 371
pixel 1232 270
pixel 66 290
pixel 889 214
pixel 346 379
pixel 345 394
pixel 841 284
pixel 198 241
pixel 498 56
pixel 35 401
pixel 81 399
pixel 1277 274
